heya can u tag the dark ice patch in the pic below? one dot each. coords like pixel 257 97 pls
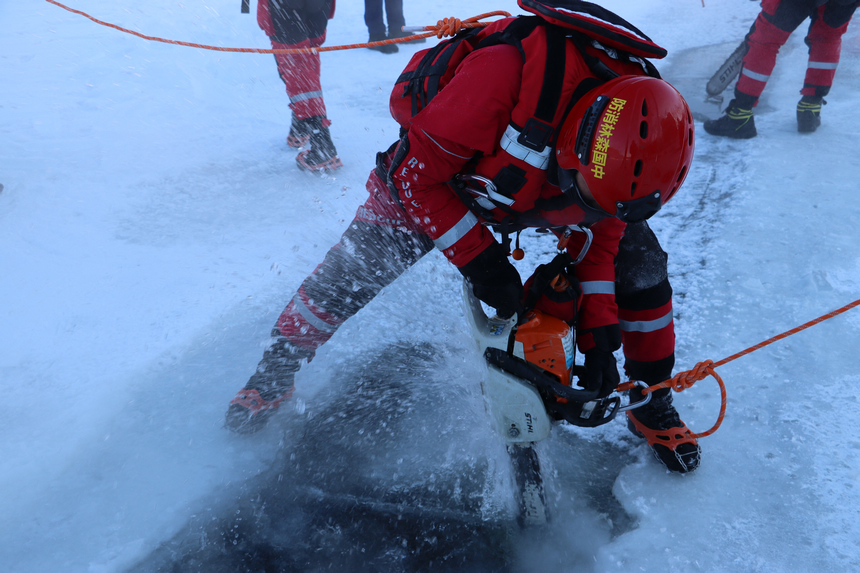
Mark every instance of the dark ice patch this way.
pixel 369 483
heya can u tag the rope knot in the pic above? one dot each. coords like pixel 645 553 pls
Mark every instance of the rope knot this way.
pixel 684 380
pixel 448 27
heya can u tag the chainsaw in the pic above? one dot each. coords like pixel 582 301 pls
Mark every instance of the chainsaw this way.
pixel 532 380
pixel 531 383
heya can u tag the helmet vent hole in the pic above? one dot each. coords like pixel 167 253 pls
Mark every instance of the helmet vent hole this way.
pixel 643 129
pixel 637 168
pixel 633 189
pixel 682 173
pixel 644 108
pixel 690 137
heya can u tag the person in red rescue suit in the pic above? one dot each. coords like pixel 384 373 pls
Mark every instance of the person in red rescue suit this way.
pixel 636 138
pixel 777 20
pixel 294 24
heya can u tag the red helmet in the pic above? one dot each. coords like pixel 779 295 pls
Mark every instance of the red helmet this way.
pixel 632 141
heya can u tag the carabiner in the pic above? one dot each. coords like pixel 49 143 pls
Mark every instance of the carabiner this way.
pixel 568 231
pixel 634 405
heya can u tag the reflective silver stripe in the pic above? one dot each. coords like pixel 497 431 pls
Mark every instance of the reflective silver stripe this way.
pixel 311 318
pixel 442 148
pixel 509 143
pixel 755 76
pixel 822 65
pixel 305 96
pixel 598 287
pixel 646 325
pixel 456 232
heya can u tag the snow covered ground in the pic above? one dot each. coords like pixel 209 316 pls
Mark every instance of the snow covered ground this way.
pixel 153 224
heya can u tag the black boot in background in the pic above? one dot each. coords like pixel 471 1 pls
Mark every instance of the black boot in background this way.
pixel 737 123
pixel 401 34
pixel 384 48
pixel 809 113
pixel 322 156
pixel 300 132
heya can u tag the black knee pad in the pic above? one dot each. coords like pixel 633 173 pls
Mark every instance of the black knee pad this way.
pixel 641 263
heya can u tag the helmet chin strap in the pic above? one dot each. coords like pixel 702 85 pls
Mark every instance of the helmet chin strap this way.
pixel 567 183
pixel 637 210
pixel 632 211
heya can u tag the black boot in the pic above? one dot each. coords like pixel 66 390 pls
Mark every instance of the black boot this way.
pixel 300 132
pixel 268 387
pixel 402 34
pixel 384 48
pixel 670 439
pixel 737 123
pixel 809 113
pixel 322 156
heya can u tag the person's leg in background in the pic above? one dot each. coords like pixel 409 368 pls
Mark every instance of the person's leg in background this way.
pixel 376 26
pixel 829 23
pixel 394 16
pixel 771 29
pixel 302 28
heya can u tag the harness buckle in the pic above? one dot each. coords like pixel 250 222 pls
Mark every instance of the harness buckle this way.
pixel 535 135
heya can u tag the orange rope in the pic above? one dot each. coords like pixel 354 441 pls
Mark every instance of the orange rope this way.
pixel 788 333
pixel 702 370
pixel 445 27
pixel 449 27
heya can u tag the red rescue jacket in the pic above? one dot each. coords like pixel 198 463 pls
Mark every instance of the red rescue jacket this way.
pixel 477 125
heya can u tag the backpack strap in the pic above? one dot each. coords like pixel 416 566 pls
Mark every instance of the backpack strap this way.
pixel 550 93
pixel 514 34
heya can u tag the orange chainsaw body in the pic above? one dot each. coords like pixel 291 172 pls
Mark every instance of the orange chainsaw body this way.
pixel 548 343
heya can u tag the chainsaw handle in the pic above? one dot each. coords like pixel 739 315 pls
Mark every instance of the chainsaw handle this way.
pixel 490 331
pixel 494 333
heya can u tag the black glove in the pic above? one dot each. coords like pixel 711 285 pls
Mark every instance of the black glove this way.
pixel 495 281
pixel 601 372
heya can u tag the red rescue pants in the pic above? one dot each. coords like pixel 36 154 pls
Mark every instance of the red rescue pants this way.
pixel 292 25
pixel 772 28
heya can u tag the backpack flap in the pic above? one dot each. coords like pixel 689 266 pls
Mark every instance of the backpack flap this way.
pixel 596 22
pixel 427 73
